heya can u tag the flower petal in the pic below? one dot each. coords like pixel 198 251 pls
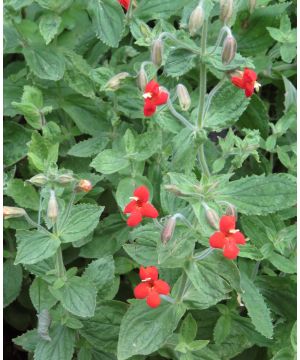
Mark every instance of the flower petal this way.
pixel 141 291
pixel 149 108
pixel 142 193
pixel 162 287
pixel 152 87
pixel 134 219
pixel 239 238
pixel 249 75
pixel 153 299
pixel 149 210
pixel 217 240
pixel 149 272
pixel 227 223
pixel 237 81
pixel 249 89
pixel 125 3
pixel 231 250
pixel 130 207
pixel 161 98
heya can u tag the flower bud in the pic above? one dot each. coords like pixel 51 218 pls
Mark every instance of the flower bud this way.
pixel 226 10
pixel 157 52
pixel 38 180
pixel 142 80
pixel 173 189
pixel 12 212
pixel 183 97
pixel 251 5
pixel 231 210
pixel 114 82
pixel 168 230
pixel 196 20
pixel 212 217
pixel 52 211
pixel 229 49
pixel 65 179
pixel 84 185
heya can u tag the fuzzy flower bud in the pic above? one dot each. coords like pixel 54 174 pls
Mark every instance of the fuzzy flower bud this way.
pixel 84 185
pixel 231 210
pixel 38 180
pixel 196 20
pixel 65 179
pixel 13 212
pixel 229 49
pixel 157 52
pixel 183 97
pixel 168 230
pixel 52 211
pixel 251 5
pixel 142 80
pixel 226 10
pixel 114 82
pixel 212 217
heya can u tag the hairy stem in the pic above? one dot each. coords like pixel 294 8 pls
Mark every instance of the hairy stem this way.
pixel 179 42
pixel 179 117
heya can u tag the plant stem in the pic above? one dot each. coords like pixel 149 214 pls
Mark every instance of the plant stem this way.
pixel 202 92
pixel 179 42
pixel 203 254
pixel 179 117
pixel 183 283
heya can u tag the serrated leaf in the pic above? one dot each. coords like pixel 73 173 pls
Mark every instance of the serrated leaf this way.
pixel 28 340
pixel 12 281
pixel 40 295
pixel 157 9
pixel 34 246
pixel 100 272
pixel 49 25
pixel 108 21
pixel 179 62
pixel 23 194
pixel 147 329
pixel 256 306
pixel 256 195
pixel 82 221
pixel 45 63
pixel 226 107
pixel 188 329
pixel 290 95
pixel 60 347
pixel 222 329
pixel 77 295
pixel 110 161
pixel 89 147
pixel 102 331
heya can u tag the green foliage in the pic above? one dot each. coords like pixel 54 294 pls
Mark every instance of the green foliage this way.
pixel 75 132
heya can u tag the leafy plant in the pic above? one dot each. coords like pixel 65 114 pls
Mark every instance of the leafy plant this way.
pixel 149 153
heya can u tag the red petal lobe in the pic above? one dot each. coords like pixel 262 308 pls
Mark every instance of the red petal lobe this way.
pixel 142 290
pixel 134 219
pixel 142 193
pixel 231 250
pixel 217 240
pixel 162 287
pixel 149 272
pixel 149 210
pixel 239 238
pixel 227 223
pixel 130 207
pixel 153 299
pixel 151 87
pixel 162 98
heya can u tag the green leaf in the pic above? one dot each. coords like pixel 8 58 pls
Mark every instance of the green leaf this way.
pixel 288 52
pixel 146 328
pixel 179 62
pixel 290 95
pixel 34 246
pixel 188 329
pixel 256 195
pixel 222 329
pixel 49 26
pixel 45 63
pixel 82 221
pixel 15 139
pixel 40 295
pixel 31 113
pixel 60 347
pixel 77 295
pixel 294 336
pixel 102 331
pixel 56 6
pixel 110 161
pixel 23 194
pixel 226 107
pixel 28 340
pixel 100 272
pixel 256 306
pixel 12 281
pixel 156 9
pixel 108 21
pixel 89 147
pixel 283 264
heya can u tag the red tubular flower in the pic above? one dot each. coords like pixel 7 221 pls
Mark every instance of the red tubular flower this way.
pixel 151 287
pixel 227 238
pixel 139 207
pixel 153 97
pixel 246 80
pixel 125 4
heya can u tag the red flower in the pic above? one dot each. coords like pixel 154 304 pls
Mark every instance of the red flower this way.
pixel 139 207
pixel 246 80
pixel 153 97
pixel 227 238
pixel 151 287
pixel 125 4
